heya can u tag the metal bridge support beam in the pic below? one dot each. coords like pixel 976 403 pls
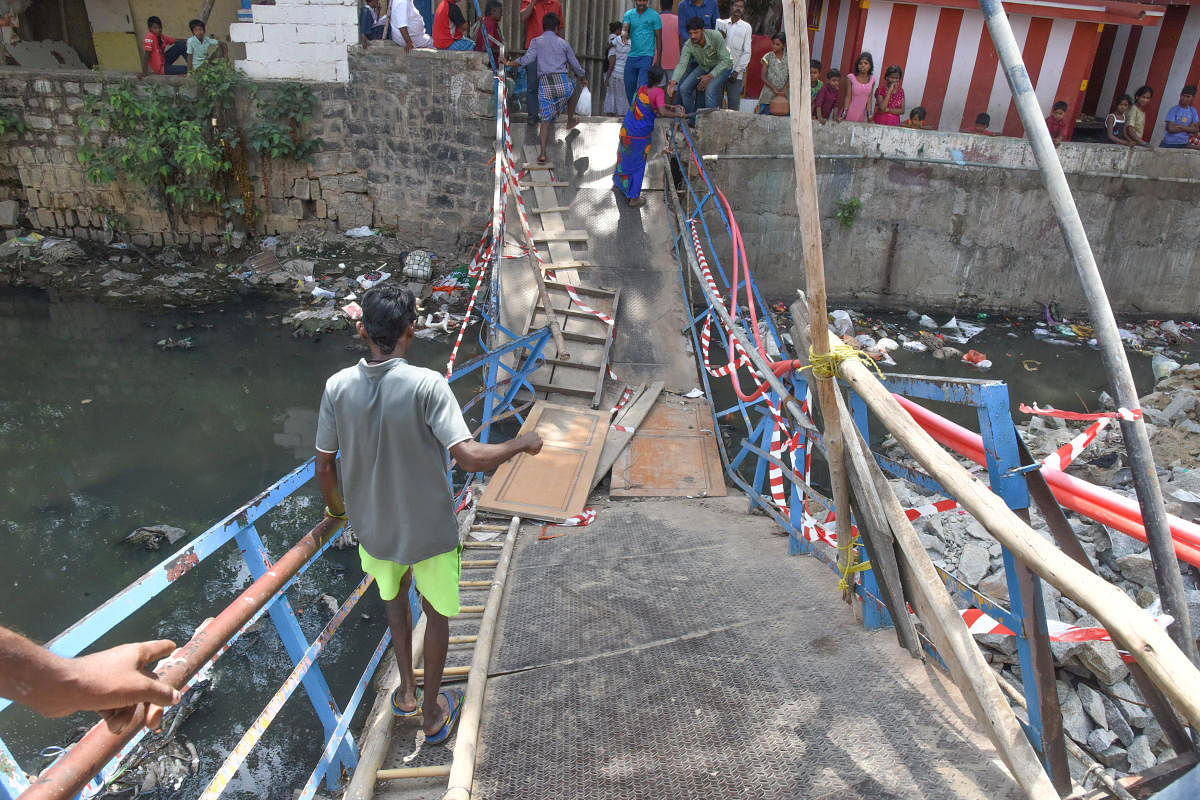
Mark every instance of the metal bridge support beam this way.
pixel 259 561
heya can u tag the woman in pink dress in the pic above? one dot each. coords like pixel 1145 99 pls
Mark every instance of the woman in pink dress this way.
pixel 889 98
pixel 856 100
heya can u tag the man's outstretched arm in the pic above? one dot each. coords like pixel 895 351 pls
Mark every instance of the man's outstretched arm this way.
pixel 113 681
pixel 473 456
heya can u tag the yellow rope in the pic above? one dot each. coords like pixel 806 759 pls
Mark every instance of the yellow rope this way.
pixel 825 365
pixel 851 567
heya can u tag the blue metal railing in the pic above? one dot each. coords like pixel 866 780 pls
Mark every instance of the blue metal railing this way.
pixel 757 428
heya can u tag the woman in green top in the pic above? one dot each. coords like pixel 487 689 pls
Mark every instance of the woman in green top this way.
pixel 774 74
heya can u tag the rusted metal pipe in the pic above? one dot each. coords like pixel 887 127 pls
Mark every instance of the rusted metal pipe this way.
pixel 71 773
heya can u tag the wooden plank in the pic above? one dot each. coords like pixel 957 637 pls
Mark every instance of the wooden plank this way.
pixel 528 185
pixel 631 416
pixel 603 373
pixel 672 454
pixel 554 484
pixel 532 165
pixel 568 265
pixel 562 287
pixel 560 363
pixel 560 236
pixel 551 210
pixel 555 388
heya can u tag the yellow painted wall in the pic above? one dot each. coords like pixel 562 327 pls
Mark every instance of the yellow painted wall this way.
pixel 121 51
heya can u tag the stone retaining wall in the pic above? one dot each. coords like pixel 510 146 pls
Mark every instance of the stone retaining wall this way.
pixel 933 234
pixel 406 148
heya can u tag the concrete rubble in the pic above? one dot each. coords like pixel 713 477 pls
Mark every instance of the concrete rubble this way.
pixel 1102 708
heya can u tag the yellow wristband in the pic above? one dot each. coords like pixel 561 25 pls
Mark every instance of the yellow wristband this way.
pixel 329 513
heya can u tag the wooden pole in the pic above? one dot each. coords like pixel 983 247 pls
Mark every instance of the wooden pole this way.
pixel 1112 351
pixel 800 101
pixel 466 744
pixel 413 772
pixel 1153 648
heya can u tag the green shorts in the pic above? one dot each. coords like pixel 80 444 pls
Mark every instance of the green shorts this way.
pixel 436 578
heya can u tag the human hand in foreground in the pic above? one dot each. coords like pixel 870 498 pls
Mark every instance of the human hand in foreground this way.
pixel 118 682
pixel 530 443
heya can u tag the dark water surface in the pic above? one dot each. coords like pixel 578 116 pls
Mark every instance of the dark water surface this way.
pixel 102 432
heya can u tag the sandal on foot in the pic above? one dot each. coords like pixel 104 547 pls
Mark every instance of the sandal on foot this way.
pixel 400 712
pixel 637 202
pixel 454 701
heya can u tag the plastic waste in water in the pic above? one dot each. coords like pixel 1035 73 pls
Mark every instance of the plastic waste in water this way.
pixel 842 323
pixel 927 322
pixel 915 346
pixel 1162 366
pixel 323 294
pixel 885 344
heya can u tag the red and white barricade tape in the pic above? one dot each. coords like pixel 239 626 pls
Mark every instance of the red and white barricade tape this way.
pixel 624 398
pixel 1062 458
pixel 1050 411
pixel 584 307
pixel 980 624
pixel 580 520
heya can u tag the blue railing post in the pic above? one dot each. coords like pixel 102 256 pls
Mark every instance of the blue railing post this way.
pixel 257 560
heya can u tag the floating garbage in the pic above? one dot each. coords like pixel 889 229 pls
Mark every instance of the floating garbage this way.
pixel 974 357
pixel 372 278
pixel 174 344
pixel 927 322
pixel 961 332
pixel 361 232
pixel 865 340
pixel 915 346
pixel 1162 366
pixel 842 323
pixel 985 364
pixel 152 536
pixel 887 345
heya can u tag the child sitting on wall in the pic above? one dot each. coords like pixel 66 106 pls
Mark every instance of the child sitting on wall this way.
pixel 200 46
pixel 827 98
pixel 916 119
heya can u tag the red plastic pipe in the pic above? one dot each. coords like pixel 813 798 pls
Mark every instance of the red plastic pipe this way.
pixel 1096 503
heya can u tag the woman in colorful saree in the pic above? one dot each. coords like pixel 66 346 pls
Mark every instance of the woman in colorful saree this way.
pixel 636 134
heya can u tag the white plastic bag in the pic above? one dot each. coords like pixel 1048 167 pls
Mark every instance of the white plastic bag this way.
pixel 583 106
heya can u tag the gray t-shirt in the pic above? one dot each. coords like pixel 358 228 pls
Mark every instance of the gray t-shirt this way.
pixel 393 423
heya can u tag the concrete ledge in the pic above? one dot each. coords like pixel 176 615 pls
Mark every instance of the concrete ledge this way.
pixel 933 234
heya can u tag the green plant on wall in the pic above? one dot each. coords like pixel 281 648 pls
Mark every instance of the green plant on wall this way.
pixel 847 211
pixel 10 120
pixel 188 147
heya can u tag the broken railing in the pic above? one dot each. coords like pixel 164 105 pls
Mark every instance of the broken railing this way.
pixel 769 456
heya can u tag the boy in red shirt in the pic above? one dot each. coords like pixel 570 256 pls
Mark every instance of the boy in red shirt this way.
pixel 1057 122
pixel 827 97
pixel 160 52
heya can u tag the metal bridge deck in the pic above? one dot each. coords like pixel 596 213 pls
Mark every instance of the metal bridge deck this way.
pixel 673 649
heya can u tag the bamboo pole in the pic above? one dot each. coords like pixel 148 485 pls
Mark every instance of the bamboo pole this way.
pixel 413 772
pixel 462 769
pixel 1153 648
pixel 795 15
pixel 1112 352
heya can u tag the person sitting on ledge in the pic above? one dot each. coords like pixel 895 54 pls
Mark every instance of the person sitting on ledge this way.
pixel 449 25
pixel 1056 123
pixel 371 26
pixel 1182 124
pixel 160 52
pixel 200 46
pixel 408 26
pixel 705 64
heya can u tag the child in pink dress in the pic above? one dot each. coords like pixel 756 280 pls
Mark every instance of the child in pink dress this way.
pixel 856 99
pixel 889 98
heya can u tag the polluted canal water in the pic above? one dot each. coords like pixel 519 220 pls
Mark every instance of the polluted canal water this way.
pixel 102 432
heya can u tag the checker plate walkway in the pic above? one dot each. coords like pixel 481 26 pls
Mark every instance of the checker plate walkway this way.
pixel 673 649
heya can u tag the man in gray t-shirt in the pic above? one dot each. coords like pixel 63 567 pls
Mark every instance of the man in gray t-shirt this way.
pixel 393 423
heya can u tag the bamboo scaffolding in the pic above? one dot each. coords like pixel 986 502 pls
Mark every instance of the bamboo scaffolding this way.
pixel 462 769
pixel 795 16
pixel 1112 351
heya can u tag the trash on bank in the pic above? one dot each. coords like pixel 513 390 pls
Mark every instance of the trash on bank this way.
pixel 418 265
pixel 361 232
pixel 372 278
pixel 352 310
pixel 1162 366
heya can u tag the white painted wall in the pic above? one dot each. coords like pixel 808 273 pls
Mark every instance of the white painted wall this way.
pixel 299 40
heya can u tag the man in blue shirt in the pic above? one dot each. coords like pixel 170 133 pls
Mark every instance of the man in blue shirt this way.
pixel 1182 121
pixel 370 27
pixel 645 44
pixel 705 10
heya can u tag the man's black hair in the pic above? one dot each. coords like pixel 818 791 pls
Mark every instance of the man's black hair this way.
pixel 1189 89
pixel 695 24
pixel 615 27
pixel 983 119
pixel 550 22
pixel 196 22
pixel 833 73
pixel 668 5
pixel 491 6
pixel 655 76
pixel 815 64
pixel 917 113
pixel 388 311
pixel 1061 105
pixel 456 15
pixel 153 21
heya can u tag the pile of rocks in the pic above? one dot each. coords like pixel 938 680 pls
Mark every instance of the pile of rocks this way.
pixel 1102 708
